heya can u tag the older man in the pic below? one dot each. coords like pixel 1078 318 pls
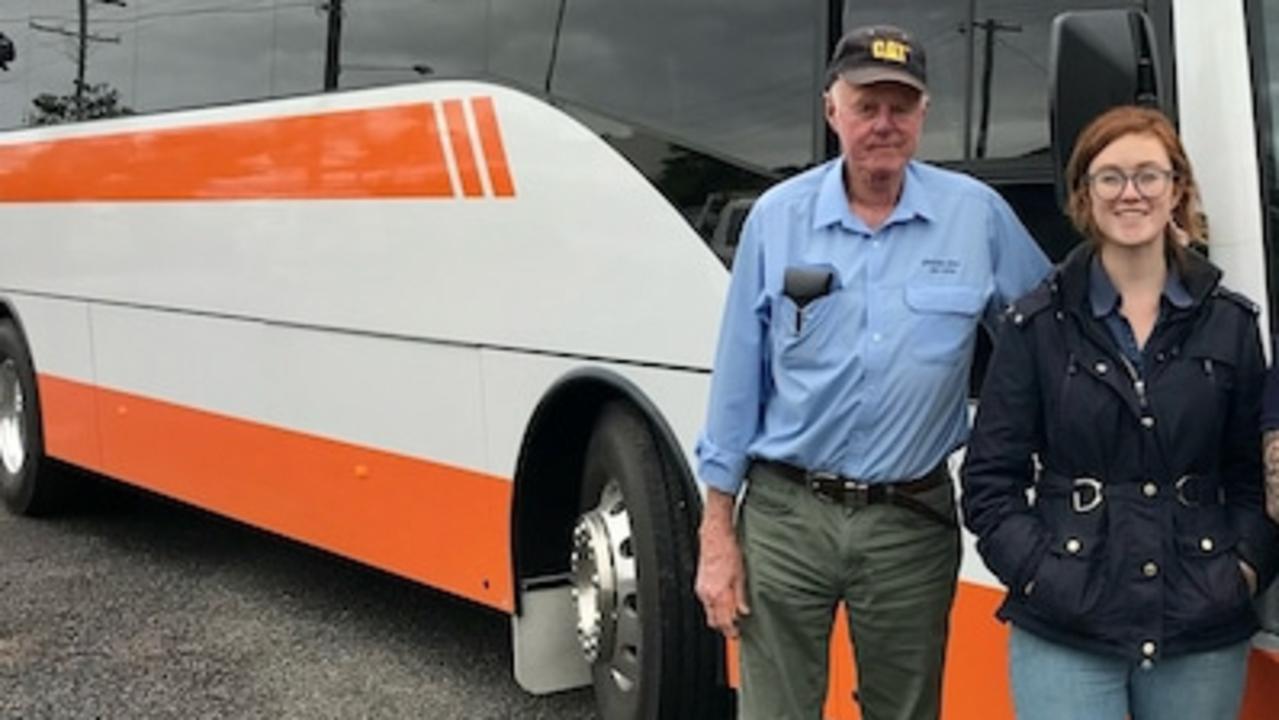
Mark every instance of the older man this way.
pixel 838 392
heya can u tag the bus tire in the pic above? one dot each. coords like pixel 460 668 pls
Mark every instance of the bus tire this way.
pixel 27 486
pixel 633 565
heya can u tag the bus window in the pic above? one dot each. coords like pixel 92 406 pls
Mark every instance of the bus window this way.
pixel 297 60
pixel 186 58
pixel 1003 115
pixel 13 81
pixel 398 41
pixel 521 35
pixel 737 83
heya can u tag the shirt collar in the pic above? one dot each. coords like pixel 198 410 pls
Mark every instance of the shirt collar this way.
pixel 1104 298
pixel 832 201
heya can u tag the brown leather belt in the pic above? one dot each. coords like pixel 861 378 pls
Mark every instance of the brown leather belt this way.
pixel 856 493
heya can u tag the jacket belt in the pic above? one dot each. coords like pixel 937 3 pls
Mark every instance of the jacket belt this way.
pixel 858 493
pixel 1087 493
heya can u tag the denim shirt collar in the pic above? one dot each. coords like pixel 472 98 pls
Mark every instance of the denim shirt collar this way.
pixel 1104 298
pixel 832 205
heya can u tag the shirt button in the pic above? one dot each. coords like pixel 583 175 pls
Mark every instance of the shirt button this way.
pixel 1206 544
pixel 1149 489
pixel 1148 648
pixel 1073 546
pixel 1148 422
pixel 1150 569
pixel 876 337
pixel 1101 368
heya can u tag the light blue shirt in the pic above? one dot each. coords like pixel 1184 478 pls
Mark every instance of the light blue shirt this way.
pixel 868 381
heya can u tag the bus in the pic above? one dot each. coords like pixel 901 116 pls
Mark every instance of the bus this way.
pixel 435 285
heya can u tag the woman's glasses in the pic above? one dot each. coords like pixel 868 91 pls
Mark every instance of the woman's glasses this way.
pixel 1109 184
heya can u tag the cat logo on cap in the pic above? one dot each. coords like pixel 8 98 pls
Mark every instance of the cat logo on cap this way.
pixel 891 50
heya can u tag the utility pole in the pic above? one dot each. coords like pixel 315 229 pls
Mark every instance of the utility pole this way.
pixel 333 55
pixel 990 26
pixel 82 37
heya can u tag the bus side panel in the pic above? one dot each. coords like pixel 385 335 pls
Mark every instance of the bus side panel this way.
pixel 57 333
pixel 1262 697
pixel 514 384
pixel 368 447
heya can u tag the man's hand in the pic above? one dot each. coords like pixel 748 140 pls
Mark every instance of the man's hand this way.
pixel 1272 474
pixel 721 577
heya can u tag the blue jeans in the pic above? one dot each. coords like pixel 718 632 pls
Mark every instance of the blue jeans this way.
pixel 1056 682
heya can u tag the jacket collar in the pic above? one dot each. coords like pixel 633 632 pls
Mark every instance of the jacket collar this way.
pixel 1198 276
pixel 1104 298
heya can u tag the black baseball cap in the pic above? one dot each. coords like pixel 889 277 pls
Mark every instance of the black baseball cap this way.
pixel 877 53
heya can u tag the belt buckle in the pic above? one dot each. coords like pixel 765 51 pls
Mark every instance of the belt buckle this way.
pixel 1196 502
pixel 823 484
pixel 834 487
pixel 1077 502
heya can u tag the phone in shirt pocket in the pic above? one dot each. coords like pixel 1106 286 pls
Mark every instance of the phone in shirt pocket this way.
pixel 802 316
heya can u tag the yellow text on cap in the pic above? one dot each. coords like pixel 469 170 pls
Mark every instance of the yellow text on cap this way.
pixel 889 50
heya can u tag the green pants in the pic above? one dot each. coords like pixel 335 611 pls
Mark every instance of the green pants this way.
pixel 894 569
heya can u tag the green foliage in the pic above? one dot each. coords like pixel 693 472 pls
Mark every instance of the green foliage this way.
pixel 99 100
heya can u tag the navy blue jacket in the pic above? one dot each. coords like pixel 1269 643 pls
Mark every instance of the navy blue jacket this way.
pixel 1147 488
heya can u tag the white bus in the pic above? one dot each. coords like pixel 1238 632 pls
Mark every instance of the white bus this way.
pixel 454 319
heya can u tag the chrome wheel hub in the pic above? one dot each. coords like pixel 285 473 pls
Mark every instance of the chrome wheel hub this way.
pixel 605 588
pixel 13 432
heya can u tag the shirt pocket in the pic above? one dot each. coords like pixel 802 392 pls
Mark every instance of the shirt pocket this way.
pixel 942 319
pixel 804 336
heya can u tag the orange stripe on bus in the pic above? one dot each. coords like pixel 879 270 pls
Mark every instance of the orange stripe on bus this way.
pixel 463 151
pixel 492 146
pixel 70 421
pixel 393 152
pixel 440 525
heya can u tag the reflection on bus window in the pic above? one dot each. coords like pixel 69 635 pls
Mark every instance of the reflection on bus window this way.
pixel 982 109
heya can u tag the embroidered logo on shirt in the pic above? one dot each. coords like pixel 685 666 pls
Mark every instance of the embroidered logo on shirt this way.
pixel 941 266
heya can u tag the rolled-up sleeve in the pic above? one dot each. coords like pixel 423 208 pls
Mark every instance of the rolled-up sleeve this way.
pixel 1019 263
pixel 737 382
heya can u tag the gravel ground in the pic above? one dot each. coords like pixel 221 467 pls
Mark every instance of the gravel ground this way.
pixel 129 606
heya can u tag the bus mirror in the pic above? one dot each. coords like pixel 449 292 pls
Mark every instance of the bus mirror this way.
pixel 1097 59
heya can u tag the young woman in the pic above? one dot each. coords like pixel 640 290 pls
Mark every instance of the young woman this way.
pixel 1124 392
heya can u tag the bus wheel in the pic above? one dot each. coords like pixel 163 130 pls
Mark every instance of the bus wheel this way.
pixel 633 562
pixel 24 489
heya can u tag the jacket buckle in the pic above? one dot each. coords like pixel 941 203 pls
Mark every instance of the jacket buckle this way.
pixel 1195 499
pixel 1086 495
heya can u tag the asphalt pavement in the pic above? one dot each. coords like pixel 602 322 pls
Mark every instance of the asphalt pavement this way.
pixel 131 606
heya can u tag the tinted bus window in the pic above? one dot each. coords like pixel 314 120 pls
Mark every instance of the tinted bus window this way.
pixel 976 113
pixel 297 62
pixel 13 82
pixel 521 34
pixel 59 88
pixel 195 52
pixel 734 78
pixel 397 41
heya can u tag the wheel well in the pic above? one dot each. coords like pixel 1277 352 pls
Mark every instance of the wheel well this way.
pixel 546 502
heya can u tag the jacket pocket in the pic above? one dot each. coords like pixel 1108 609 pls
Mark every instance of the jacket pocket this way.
pixel 942 320
pixel 1209 586
pixel 1069 584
